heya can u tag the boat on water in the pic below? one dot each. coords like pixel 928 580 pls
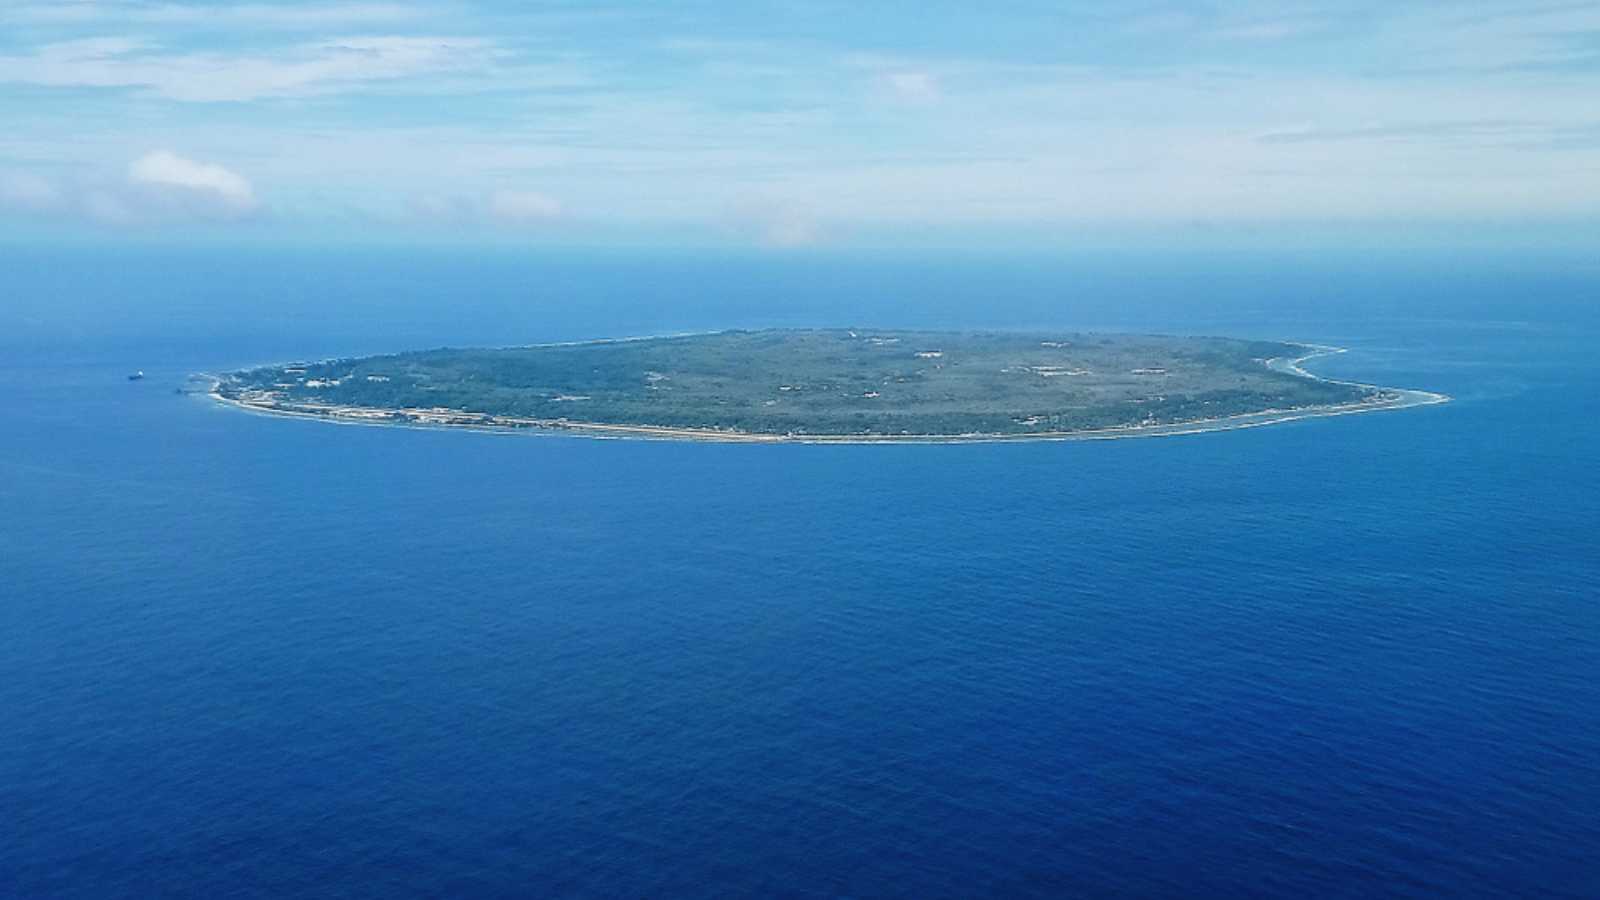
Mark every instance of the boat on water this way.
pixel 137 376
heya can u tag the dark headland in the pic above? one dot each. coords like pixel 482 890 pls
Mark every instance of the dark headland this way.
pixel 827 385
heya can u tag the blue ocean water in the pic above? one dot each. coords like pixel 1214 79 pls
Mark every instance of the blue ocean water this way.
pixel 243 656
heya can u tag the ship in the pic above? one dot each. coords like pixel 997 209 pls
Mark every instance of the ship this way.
pixel 137 376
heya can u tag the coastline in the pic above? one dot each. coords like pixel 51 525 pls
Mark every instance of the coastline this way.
pixel 1394 398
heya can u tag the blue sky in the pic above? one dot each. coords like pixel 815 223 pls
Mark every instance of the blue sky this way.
pixel 793 124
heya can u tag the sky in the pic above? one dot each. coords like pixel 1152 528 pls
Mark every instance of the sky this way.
pixel 787 125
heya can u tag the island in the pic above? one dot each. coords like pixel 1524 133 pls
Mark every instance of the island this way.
pixel 826 385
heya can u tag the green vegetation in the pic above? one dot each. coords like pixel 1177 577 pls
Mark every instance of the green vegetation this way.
pixel 823 382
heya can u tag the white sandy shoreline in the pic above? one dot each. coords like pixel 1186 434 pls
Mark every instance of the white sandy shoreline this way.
pixel 1402 398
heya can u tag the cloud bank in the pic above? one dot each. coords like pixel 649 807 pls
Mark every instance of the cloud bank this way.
pixel 159 187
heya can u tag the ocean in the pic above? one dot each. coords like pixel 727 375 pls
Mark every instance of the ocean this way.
pixel 244 656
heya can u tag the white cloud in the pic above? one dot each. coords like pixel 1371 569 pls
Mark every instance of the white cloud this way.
pixel 913 86
pixel 107 208
pixel 307 69
pixel 1269 30
pixel 167 171
pixel 1160 23
pixel 502 207
pixel 286 16
pixel 443 208
pixel 1488 39
pixel 28 192
pixel 900 79
pixel 258 15
pixel 791 233
pixel 522 207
